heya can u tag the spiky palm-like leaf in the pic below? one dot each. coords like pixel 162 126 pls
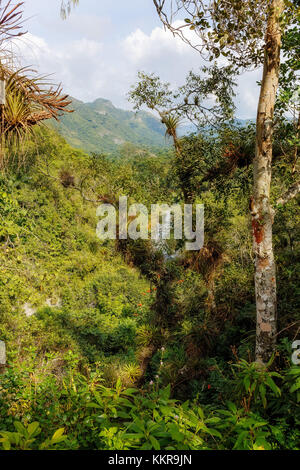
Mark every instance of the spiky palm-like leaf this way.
pixel 29 101
pixel 10 20
pixel 171 122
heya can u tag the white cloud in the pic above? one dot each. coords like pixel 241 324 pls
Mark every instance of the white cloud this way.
pixel 141 47
pixel 248 94
pixel 89 68
pixel 172 59
pixel 76 64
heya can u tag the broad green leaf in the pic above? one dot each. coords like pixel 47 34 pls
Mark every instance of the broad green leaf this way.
pixel 58 434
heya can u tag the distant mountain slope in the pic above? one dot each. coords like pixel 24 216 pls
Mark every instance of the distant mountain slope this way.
pixel 101 127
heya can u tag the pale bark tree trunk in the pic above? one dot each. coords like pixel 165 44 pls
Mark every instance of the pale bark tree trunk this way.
pixel 261 210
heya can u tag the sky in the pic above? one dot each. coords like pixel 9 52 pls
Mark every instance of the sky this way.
pixel 98 50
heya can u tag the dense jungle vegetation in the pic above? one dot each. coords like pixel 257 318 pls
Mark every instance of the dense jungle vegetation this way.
pixel 116 338
pixel 122 344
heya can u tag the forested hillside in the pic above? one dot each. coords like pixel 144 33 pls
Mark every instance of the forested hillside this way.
pixel 101 127
pixel 87 322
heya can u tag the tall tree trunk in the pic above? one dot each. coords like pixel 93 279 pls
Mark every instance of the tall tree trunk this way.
pixel 261 210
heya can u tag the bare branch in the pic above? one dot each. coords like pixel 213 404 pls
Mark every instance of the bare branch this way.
pixel 290 194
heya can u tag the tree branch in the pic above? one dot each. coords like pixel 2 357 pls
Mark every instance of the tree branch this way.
pixel 290 194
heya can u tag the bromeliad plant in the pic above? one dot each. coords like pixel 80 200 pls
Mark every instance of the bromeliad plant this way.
pixel 28 98
pixel 29 101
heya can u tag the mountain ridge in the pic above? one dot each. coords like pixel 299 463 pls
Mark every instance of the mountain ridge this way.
pixel 99 126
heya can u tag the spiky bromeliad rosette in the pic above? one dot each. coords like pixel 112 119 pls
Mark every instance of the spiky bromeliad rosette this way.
pixel 26 99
